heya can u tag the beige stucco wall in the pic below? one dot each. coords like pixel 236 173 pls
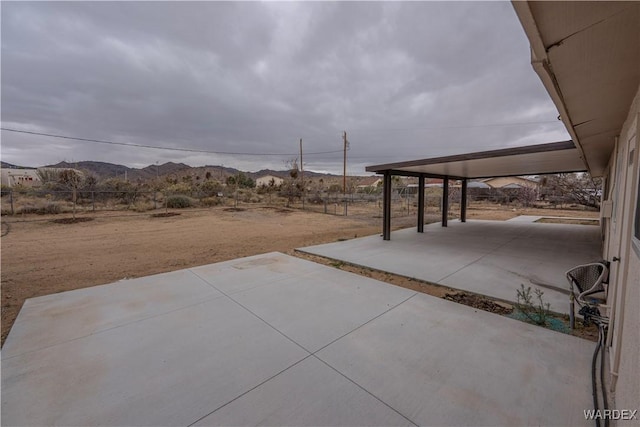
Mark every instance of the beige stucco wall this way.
pixel 627 394
pixel 628 388
pixel 17 177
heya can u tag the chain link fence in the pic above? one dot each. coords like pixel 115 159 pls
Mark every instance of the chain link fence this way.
pixel 404 201
pixel 45 201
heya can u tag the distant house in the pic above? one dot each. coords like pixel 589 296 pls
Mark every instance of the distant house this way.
pixel 478 184
pixel 429 183
pixel 512 186
pixel 511 182
pixel 20 177
pixel 368 184
pixel 269 181
pixel 31 177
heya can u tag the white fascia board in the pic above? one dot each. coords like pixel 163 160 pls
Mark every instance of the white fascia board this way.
pixel 542 66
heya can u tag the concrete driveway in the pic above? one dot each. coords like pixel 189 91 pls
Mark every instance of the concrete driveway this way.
pixel 484 257
pixel 276 340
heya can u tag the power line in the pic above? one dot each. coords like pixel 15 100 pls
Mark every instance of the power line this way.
pixel 155 147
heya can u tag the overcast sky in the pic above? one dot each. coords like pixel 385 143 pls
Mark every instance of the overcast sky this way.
pixel 405 80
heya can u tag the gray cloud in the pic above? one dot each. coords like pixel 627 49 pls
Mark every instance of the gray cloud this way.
pixel 403 79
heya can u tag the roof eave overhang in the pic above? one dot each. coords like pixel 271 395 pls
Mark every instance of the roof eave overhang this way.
pixel 542 67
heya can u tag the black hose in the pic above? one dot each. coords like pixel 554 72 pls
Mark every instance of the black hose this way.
pixel 605 404
pixel 594 387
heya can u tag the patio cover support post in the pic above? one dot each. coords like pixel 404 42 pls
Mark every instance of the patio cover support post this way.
pixel 386 206
pixel 463 202
pixel 421 204
pixel 445 200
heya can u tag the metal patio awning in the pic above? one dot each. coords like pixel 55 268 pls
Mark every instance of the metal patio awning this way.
pixel 555 157
pixel 538 159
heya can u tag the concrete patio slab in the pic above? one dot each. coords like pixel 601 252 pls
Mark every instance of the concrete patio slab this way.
pixel 500 275
pixel 54 319
pixel 322 307
pixel 304 344
pixel 168 370
pixel 534 218
pixel 439 363
pixel 487 257
pixel 525 218
pixel 330 399
pixel 245 273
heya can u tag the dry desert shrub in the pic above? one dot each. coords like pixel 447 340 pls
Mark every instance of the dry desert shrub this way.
pixel 179 202
pixel 41 208
pixel 142 206
pixel 211 201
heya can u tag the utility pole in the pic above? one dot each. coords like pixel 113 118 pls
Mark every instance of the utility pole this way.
pixel 344 171
pixel 155 203
pixel 302 173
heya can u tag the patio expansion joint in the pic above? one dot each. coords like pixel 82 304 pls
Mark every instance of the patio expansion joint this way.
pixel 365 323
pixel 250 390
pixel 314 355
pixel 230 297
pixel 365 390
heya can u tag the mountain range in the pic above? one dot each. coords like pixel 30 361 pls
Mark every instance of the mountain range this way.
pixel 103 170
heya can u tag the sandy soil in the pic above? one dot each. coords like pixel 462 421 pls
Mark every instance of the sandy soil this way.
pixel 40 257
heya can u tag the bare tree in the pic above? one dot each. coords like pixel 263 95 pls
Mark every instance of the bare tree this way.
pixel 527 195
pixel 48 176
pixel 72 180
pixel 292 166
pixel 291 188
pixel 127 191
pixel 580 188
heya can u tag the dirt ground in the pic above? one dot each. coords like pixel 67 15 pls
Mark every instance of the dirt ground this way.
pixel 503 213
pixel 41 257
pixel 473 300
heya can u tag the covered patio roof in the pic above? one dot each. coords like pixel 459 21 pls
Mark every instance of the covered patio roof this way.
pixel 553 157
